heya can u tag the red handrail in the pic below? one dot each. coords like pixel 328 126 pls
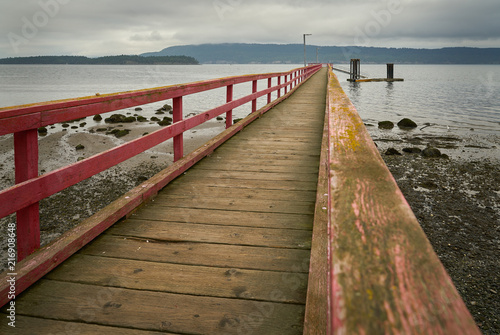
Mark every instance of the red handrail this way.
pixel 23 122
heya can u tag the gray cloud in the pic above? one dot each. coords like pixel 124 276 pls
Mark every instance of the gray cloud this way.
pixel 105 27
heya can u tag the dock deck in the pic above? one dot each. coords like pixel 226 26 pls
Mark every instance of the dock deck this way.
pixel 223 249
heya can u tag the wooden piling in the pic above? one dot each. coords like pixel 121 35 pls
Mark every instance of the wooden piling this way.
pixel 390 71
pixel 355 69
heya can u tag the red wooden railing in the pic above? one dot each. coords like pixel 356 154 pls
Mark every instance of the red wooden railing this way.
pixel 23 122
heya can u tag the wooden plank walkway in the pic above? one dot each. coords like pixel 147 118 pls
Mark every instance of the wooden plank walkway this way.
pixel 224 249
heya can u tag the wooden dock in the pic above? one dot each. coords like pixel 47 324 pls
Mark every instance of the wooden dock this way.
pixel 224 249
pixel 294 225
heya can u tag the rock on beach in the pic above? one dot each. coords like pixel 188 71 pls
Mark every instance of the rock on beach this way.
pixel 407 124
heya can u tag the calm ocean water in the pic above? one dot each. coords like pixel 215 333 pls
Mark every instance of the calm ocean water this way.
pixel 456 97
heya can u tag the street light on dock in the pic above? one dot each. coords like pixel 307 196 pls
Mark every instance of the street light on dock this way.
pixel 305 62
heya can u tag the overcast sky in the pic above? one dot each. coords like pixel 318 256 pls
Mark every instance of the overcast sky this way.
pixel 112 27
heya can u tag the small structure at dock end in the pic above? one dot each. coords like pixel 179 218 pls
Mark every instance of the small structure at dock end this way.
pixel 356 76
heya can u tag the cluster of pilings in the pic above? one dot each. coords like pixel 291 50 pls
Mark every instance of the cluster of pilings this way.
pixel 355 73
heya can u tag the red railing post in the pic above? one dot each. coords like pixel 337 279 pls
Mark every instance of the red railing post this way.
pixel 279 90
pixel 229 98
pixel 179 139
pixel 254 90
pixel 286 86
pixel 28 219
pixel 269 85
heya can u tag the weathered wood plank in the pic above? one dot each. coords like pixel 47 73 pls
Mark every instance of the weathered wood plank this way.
pixel 26 325
pixel 265 158
pixel 294 185
pixel 220 217
pixel 219 200
pixel 205 254
pixel 243 175
pixel 306 152
pixel 272 136
pixel 157 311
pixel 172 232
pixel 281 145
pixel 270 133
pixel 208 189
pixel 385 276
pixel 183 279
pixel 255 166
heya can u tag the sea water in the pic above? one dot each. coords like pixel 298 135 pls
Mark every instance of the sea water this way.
pixel 442 98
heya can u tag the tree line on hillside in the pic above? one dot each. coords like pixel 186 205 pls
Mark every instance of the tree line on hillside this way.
pixel 107 60
pixel 240 53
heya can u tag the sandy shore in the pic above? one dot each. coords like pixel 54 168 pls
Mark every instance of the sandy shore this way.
pixel 456 199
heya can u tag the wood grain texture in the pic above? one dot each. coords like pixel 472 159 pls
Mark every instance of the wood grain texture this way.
pixel 385 276
pixel 181 278
pixel 177 232
pixel 195 253
pixel 26 325
pixel 158 311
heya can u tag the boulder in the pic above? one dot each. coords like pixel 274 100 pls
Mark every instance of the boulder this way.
pixel 431 152
pixel 115 118
pixel 392 152
pixel 130 119
pixel 165 122
pixel 121 133
pixel 385 125
pixel 412 150
pixel 407 124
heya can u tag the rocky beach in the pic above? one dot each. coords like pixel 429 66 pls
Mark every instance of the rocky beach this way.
pixel 451 181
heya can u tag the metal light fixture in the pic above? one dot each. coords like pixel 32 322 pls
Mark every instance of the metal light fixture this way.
pixel 305 62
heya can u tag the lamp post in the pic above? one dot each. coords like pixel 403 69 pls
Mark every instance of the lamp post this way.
pixel 305 62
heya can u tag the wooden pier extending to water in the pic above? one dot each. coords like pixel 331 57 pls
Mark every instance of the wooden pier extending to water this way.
pixel 288 222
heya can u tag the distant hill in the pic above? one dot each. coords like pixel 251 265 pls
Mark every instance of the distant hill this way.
pixel 238 53
pixel 108 60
